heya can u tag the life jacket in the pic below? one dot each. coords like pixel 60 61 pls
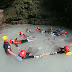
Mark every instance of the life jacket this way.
pixel 17 42
pixel 6 46
pixel 38 28
pixel 28 31
pixel 61 49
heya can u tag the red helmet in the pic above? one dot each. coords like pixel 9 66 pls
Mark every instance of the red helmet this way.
pixel 27 28
pixel 65 32
pixel 11 40
pixel 22 53
pixel 50 26
pixel 67 49
pixel 20 32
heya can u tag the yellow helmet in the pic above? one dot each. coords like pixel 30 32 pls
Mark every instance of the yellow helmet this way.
pixel 4 38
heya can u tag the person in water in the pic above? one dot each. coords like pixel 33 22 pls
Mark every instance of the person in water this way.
pixel 63 33
pixel 56 33
pixel 27 30
pixel 65 50
pixel 40 30
pixel 25 54
pixel 50 29
pixel 59 30
pixel 52 32
pixel 21 34
pixel 16 42
pixel 7 46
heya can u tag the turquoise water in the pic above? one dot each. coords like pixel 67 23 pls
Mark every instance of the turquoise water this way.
pixel 51 63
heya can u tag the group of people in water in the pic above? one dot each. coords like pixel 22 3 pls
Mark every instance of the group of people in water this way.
pixel 58 32
pixel 23 54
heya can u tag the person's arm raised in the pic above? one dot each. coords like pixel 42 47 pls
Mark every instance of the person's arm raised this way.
pixel 70 45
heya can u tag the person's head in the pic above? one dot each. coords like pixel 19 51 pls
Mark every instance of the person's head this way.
pixel 50 26
pixel 21 32
pixel 65 32
pixel 67 49
pixel 27 28
pixel 38 27
pixel 59 29
pixel 22 53
pixel 5 38
pixel 11 40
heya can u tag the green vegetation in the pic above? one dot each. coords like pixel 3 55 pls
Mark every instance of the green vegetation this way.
pixel 55 12
pixel 26 9
pixel 22 9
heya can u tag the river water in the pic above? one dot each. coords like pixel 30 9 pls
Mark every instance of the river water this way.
pixel 51 63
